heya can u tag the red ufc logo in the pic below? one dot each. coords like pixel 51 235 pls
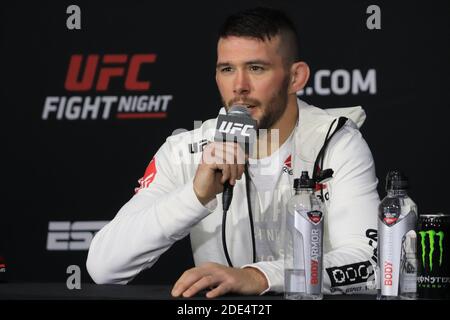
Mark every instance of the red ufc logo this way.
pixel 113 65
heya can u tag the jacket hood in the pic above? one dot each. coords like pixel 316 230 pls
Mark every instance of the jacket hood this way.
pixel 314 123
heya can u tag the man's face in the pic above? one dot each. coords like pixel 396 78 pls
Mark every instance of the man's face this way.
pixel 251 72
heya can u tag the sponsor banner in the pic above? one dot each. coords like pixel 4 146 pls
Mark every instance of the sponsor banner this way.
pixel 340 82
pixel 90 75
pixel 70 236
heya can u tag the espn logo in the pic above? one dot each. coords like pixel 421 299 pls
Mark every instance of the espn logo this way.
pixel 71 236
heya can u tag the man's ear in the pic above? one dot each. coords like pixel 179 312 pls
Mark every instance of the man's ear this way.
pixel 299 76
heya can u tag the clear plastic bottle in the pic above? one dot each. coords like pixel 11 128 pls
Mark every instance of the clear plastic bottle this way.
pixel 397 253
pixel 304 243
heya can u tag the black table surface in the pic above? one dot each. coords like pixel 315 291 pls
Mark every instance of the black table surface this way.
pixel 59 291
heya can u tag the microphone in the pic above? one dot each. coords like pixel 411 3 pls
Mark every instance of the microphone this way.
pixel 239 127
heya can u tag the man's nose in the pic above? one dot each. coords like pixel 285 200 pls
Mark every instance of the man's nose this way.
pixel 241 83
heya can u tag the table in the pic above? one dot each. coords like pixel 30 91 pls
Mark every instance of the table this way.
pixel 88 291
pixel 129 301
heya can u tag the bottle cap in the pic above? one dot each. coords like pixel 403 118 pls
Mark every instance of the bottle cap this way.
pixel 304 182
pixel 396 180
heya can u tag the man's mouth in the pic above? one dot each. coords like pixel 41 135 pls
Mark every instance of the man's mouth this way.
pixel 252 110
pixel 248 106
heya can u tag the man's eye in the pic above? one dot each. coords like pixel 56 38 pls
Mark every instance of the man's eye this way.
pixel 225 69
pixel 256 68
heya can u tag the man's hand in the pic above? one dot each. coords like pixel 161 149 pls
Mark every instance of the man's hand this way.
pixel 221 279
pixel 221 161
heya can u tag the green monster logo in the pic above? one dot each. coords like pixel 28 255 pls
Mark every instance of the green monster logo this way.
pixel 431 234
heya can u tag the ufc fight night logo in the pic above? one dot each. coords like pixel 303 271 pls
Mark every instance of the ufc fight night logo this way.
pixel 94 73
pixel 70 236
pixel 113 65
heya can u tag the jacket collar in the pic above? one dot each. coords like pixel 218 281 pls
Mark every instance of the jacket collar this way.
pixel 312 126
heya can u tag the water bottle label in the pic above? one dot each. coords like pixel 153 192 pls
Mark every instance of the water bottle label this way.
pixel 315 216
pixel 390 216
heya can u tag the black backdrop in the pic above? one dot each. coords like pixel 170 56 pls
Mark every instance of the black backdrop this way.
pixel 84 170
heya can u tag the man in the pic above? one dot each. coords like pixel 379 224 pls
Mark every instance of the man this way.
pixel 180 193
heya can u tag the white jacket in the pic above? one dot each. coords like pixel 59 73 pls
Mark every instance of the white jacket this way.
pixel 165 209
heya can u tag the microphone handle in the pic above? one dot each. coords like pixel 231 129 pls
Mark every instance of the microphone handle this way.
pixel 227 195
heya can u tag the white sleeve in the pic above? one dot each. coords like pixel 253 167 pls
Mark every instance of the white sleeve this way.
pixel 351 221
pixel 274 273
pixel 161 212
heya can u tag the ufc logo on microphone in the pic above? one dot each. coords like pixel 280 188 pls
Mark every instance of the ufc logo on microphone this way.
pixel 112 66
pixel 231 128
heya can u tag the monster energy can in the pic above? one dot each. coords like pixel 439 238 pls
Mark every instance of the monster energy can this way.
pixel 433 246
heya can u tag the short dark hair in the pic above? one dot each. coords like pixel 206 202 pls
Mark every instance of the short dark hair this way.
pixel 263 23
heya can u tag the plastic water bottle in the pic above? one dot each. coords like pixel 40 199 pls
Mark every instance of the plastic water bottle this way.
pixel 397 253
pixel 304 242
